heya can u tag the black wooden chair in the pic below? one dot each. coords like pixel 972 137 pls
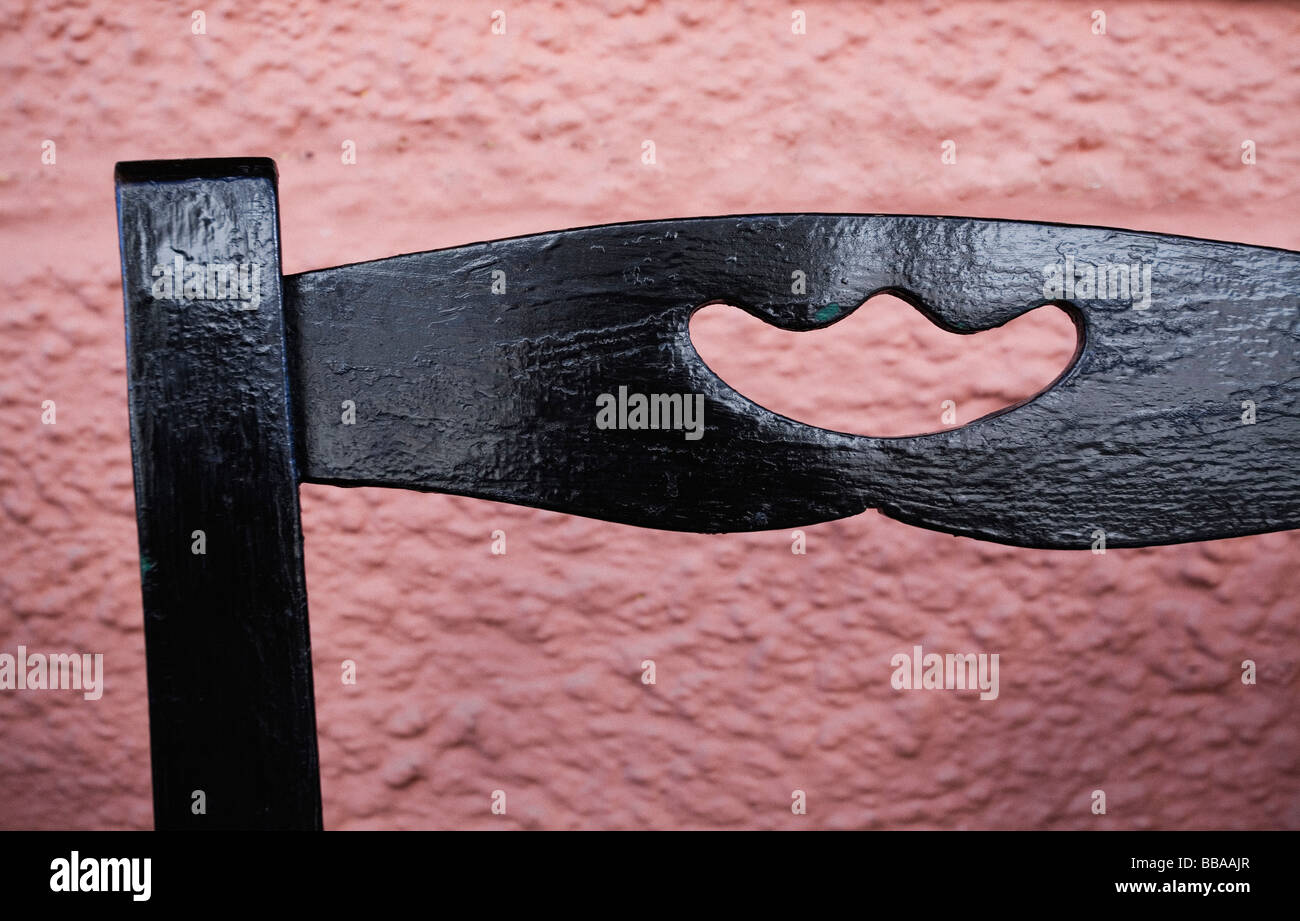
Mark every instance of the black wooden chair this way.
pixel 484 371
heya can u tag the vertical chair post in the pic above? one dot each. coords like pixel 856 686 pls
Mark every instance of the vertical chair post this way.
pixel 231 710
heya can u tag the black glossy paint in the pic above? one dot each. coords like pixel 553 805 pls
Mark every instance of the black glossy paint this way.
pixel 231 711
pixel 462 390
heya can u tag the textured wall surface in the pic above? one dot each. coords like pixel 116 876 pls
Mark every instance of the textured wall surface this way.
pixel 522 672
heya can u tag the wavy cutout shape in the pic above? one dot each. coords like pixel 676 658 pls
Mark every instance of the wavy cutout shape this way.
pixel 886 370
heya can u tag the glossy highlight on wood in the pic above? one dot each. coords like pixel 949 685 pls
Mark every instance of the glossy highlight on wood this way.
pixel 462 390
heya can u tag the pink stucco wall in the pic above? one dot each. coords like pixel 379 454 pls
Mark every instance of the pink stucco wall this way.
pixel 522 672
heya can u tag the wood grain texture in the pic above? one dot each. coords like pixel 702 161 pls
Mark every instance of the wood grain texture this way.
pixel 231 709
pixel 464 388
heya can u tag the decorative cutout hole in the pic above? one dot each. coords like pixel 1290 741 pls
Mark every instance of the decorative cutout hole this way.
pixel 886 370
